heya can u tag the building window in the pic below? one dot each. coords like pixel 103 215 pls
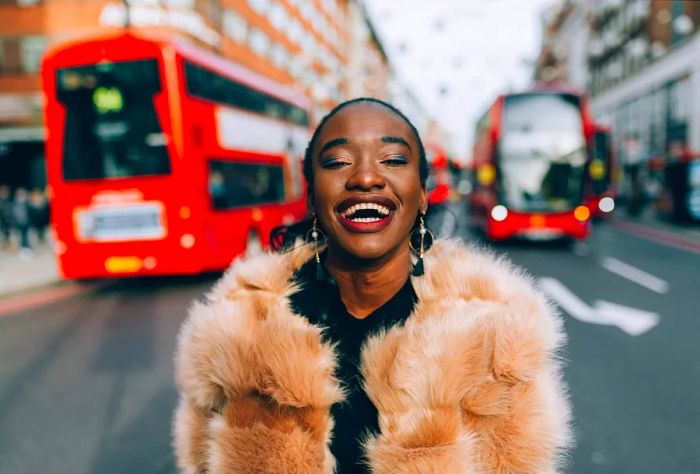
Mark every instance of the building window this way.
pixel 307 41
pixel 259 42
pixel 306 9
pixel 278 16
pixel 21 3
pixel 330 6
pixel 279 55
pixel 261 7
pixel 235 26
pixel 9 55
pixel 294 30
pixel 32 48
pixel 215 13
pixel 187 4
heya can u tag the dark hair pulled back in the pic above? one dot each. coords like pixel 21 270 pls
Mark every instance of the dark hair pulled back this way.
pixel 283 237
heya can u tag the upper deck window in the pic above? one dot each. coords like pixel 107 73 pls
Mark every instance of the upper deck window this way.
pixel 208 85
pixel 111 127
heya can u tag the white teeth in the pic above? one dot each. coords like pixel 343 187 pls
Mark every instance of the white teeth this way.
pixel 366 205
pixel 365 219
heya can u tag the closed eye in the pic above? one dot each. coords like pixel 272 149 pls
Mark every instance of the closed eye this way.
pixel 333 163
pixel 395 160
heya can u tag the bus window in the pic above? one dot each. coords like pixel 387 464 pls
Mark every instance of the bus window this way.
pixel 235 184
pixel 111 128
pixel 205 84
pixel 542 152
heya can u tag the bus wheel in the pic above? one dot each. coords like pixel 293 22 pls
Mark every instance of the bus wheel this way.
pixel 253 244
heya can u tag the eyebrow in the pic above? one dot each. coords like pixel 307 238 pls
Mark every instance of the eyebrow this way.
pixel 398 140
pixel 345 141
pixel 332 143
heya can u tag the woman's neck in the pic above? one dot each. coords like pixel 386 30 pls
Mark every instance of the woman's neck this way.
pixel 365 287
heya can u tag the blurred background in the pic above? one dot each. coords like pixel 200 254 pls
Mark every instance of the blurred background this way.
pixel 144 144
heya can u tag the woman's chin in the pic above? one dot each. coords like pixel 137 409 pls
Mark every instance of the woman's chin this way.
pixel 366 248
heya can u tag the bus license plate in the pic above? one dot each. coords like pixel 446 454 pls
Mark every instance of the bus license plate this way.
pixel 541 234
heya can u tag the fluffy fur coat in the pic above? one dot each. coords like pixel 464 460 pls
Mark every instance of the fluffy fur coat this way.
pixel 470 384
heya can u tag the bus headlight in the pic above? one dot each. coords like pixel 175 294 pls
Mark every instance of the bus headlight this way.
pixel 607 204
pixel 582 213
pixel 499 213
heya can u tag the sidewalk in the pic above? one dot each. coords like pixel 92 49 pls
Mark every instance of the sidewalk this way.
pixel 18 275
pixel 649 225
pixel 650 218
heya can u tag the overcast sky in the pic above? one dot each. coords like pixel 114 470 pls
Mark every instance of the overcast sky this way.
pixel 457 55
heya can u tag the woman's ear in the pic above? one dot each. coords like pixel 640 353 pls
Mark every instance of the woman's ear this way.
pixel 310 203
pixel 423 202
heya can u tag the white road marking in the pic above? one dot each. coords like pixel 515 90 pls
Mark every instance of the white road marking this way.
pixel 634 274
pixel 633 321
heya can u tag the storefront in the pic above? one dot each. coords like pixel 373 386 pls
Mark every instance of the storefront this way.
pixel 22 157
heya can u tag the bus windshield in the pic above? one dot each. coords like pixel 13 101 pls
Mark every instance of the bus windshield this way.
pixel 111 130
pixel 542 152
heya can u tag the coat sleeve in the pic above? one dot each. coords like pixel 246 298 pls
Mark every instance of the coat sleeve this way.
pixel 255 385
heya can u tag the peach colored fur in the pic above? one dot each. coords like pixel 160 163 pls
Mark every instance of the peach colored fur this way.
pixel 471 383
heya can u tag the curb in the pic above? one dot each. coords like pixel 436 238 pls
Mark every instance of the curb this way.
pixel 654 234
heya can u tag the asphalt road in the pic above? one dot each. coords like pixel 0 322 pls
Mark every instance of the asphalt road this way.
pixel 86 383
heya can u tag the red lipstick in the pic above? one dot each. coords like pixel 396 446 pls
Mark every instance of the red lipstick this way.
pixel 366 214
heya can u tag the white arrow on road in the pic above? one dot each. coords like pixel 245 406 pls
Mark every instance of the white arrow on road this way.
pixel 633 321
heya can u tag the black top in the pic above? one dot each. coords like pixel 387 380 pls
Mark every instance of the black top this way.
pixel 319 301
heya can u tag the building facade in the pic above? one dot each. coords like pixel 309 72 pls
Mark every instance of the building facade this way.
pixel 645 75
pixel 563 57
pixel 638 60
pixel 325 48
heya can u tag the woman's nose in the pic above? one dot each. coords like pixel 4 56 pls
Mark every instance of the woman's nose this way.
pixel 365 177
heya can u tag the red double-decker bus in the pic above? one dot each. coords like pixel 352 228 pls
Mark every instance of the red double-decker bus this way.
pixel 163 158
pixel 530 156
pixel 439 181
pixel 601 173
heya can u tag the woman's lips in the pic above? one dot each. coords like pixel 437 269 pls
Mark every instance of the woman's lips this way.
pixel 375 225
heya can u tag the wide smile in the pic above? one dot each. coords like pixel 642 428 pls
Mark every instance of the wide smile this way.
pixel 366 214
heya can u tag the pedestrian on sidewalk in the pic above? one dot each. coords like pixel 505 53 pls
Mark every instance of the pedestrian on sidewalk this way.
pixel 21 222
pixel 39 214
pixel 5 216
pixel 364 346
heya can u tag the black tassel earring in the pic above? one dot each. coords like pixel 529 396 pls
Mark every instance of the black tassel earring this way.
pixel 420 241
pixel 317 238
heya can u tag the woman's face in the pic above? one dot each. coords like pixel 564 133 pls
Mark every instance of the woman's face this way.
pixel 367 189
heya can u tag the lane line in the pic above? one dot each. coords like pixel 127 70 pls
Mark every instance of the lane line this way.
pixel 656 235
pixel 635 275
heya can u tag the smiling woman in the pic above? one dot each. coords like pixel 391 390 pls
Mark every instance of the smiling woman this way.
pixel 346 352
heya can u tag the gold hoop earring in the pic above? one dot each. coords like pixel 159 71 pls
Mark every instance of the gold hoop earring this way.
pixel 420 241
